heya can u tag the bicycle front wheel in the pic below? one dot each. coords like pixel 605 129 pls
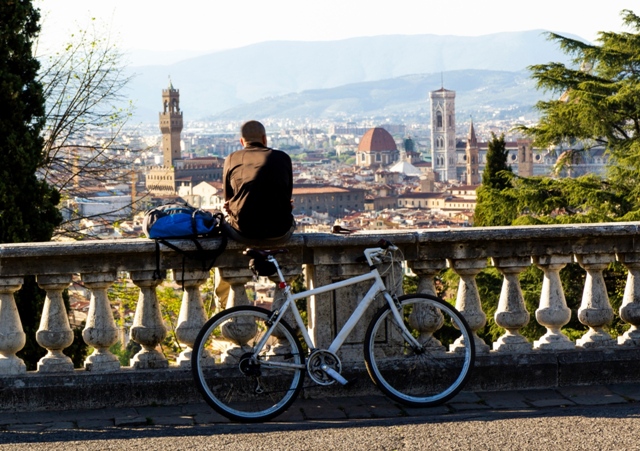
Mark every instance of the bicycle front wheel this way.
pixel 240 381
pixel 430 374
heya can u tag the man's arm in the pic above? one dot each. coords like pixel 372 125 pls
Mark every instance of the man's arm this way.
pixel 227 190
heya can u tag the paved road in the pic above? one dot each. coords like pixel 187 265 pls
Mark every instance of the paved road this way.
pixel 595 417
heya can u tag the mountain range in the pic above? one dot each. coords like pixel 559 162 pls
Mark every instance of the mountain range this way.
pixel 353 77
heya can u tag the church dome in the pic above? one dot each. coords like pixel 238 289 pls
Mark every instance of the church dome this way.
pixel 375 140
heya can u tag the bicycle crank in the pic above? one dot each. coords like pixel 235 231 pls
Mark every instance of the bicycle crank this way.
pixel 324 368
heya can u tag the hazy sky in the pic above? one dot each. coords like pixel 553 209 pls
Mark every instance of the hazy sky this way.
pixel 201 25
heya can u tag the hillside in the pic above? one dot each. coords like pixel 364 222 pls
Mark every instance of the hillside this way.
pixel 480 94
pixel 223 81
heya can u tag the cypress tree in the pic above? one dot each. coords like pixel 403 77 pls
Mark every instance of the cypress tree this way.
pixel 492 176
pixel 28 205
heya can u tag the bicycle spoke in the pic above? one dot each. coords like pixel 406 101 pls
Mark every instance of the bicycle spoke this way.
pixel 430 374
pixel 236 383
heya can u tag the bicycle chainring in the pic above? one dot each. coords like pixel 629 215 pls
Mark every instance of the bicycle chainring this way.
pixel 317 360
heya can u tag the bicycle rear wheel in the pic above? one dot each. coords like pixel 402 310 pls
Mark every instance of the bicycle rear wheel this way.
pixel 422 377
pixel 231 380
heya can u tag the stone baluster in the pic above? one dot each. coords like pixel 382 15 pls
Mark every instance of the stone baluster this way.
pixel 630 309
pixel 54 333
pixel 512 314
pixel 238 331
pixel 230 286
pixel 100 331
pixel 148 326
pixel 426 270
pixel 468 301
pixel 595 310
pixel 427 320
pixel 12 336
pixel 192 315
pixel 553 312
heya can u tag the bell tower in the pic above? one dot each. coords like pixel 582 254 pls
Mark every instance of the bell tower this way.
pixel 471 153
pixel 525 158
pixel 171 125
pixel 443 134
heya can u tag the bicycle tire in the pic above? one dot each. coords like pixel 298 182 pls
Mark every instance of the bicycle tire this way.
pixel 429 376
pixel 231 383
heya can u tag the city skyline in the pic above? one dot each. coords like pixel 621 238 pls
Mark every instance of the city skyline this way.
pixel 200 27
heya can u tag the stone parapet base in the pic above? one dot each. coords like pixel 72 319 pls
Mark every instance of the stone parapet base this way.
pixel 133 388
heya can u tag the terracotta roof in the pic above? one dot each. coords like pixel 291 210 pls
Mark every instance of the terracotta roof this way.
pixel 420 195
pixel 319 190
pixel 377 139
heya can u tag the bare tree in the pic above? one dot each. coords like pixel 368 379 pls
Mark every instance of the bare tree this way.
pixel 86 110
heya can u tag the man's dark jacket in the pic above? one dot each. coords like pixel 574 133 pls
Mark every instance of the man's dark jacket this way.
pixel 258 184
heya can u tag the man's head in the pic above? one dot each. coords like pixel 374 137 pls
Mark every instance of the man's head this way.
pixel 252 132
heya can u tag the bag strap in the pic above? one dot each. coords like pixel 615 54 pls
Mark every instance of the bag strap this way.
pixel 201 254
pixel 156 272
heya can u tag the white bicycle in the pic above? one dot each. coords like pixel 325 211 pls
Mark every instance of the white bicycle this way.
pixel 249 364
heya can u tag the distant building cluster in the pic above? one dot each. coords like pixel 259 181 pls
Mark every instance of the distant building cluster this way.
pixel 360 176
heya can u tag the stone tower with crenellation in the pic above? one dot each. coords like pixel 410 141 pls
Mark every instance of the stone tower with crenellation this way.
pixel 171 125
pixel 178 174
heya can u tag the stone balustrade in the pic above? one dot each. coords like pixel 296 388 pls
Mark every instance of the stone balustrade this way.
pixel 325 258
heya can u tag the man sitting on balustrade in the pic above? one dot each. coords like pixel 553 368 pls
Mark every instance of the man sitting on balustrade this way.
pixel 257 185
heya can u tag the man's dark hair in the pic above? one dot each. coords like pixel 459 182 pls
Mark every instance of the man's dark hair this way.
pixel 252 131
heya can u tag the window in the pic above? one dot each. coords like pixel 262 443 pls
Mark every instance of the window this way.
pixel 439 119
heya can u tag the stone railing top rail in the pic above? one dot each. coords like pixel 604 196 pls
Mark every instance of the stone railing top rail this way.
pixel 94 256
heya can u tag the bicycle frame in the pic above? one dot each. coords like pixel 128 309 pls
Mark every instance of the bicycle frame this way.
pixel 375 289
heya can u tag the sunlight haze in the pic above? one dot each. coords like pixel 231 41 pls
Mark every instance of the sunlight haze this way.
pixel 197 26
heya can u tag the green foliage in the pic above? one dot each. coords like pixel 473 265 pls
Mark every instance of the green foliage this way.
pixel 543 200
pixel 489 282
pixel 298 286
pixel 410 284
pixel 207 292
pixel 496 171
pixel 494 204
pixel 494 208
pixel 27 205
pixel 125 354
pixel 170 300
pixel 597 106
